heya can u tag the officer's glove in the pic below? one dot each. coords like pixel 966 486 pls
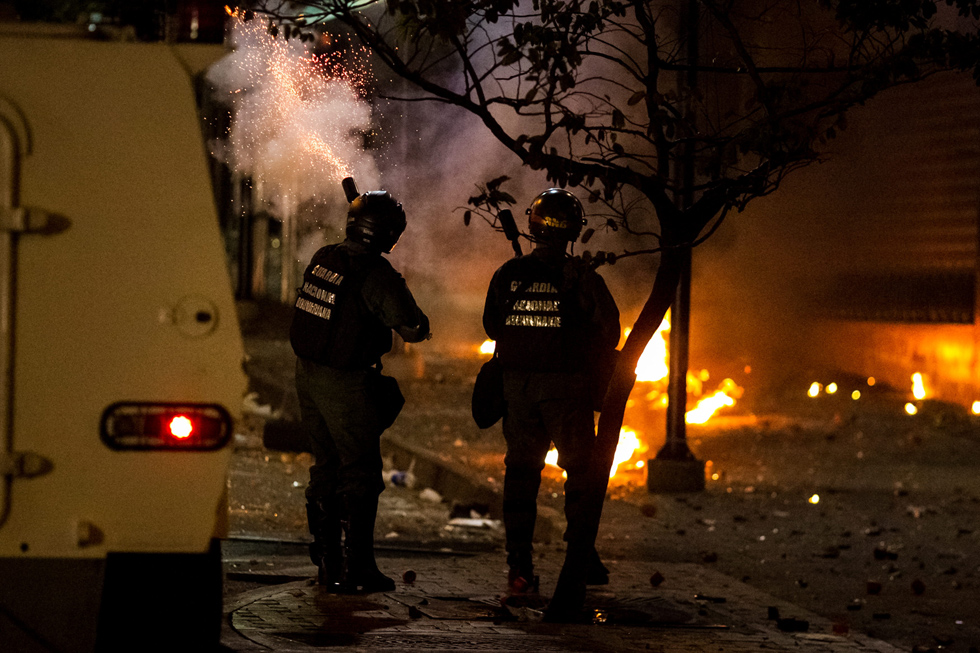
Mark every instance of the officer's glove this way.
pixel 416 333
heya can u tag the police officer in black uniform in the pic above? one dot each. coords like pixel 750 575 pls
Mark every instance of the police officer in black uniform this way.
pixel 553 320
pixel 351 300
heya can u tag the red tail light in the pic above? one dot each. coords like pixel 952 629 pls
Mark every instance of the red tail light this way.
pixel 165 426
pixel 181 427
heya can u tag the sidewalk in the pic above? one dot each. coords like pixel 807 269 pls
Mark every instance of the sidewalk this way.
pixel 451 606
pixel 454 604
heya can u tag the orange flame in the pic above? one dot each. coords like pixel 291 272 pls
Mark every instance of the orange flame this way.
pixel 629 443
pixel 918 386
pixel 652 365
pixel 724 396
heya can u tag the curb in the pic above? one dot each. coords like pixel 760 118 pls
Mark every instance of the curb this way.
pixel 451 480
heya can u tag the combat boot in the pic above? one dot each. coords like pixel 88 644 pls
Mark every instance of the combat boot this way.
pixel 360 573
pixel 520 577
pixel 596 573
pixel 567 603
pixel 519 518
pixel 326 551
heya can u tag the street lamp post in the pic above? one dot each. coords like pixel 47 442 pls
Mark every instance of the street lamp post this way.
pixel 675 469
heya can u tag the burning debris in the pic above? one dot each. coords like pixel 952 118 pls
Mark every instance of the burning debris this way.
pixel 650 394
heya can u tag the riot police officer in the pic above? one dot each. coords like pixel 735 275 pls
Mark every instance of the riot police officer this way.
pixel 350 301
pixel 553 320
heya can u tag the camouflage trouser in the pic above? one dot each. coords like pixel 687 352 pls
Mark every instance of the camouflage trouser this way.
pixel 341 417
pixel 543 408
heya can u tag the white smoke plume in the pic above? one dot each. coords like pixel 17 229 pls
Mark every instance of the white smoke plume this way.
pixel 297 120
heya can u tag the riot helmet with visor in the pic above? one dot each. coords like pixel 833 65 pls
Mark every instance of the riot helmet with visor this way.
pixel 556 216
pixel 375 220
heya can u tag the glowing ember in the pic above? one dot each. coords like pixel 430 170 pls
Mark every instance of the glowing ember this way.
pixel 911 409
pixel 918 389
pixel 856 395
pixel 652 365
pixel 975 408
pixel 488 347
pixel 814 390
pixel 815 499
pixel 871 380
pixel 831 388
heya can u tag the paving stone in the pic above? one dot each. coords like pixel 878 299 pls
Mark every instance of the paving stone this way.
pixel 298 617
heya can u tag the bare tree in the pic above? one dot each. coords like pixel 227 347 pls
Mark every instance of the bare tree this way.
pixel 667 114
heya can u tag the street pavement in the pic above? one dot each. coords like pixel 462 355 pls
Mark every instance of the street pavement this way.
pixel 450 598
pixel 899 500
pixel 451 605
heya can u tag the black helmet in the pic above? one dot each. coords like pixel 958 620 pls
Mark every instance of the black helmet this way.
pixel 375 220
pixel 556 215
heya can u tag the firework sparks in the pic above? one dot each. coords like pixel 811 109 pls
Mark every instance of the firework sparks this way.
pixel 298 116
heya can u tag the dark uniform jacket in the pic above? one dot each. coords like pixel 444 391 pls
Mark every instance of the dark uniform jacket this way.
pixel 550 312
pixel 350 301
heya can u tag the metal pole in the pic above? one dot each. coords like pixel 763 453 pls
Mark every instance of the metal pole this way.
pixel 675 469
pixel 680 312
pixel 676 447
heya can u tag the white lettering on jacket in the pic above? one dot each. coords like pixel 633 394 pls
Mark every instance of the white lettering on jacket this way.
pixel 324 296
pixel 327 275
pixel 310 307
pixel 537 286
pixel 536 305
pixel 533 320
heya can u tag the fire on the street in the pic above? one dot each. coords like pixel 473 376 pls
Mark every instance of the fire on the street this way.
pixel 651 375
pixel 712 403
pixel 652 370
pixel 918 387
pixel 629 444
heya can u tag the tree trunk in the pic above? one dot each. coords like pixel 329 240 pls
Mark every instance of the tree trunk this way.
pixel 624 377
pixel 613 409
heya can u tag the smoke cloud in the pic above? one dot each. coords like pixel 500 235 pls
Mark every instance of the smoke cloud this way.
pixel 298 122
pixel 297 130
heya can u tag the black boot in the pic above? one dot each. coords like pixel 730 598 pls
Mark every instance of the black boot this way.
pixel 519 519
pixel 520 577
pixel 596 573
pixel 360 573
pixel 326 551
pixel 568 601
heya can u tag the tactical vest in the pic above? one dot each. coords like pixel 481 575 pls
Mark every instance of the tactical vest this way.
pixel 331 324
pixel 543 326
